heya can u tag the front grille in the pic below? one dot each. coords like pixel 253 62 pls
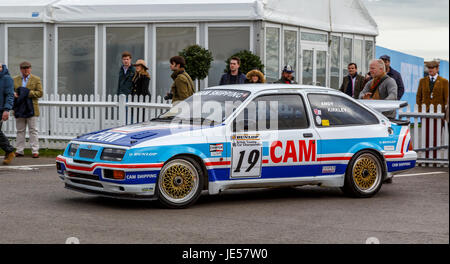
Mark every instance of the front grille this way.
pixel 83 176
pixel 88 153
pixel 94 184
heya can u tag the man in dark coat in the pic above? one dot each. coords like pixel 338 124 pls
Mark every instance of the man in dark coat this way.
pixel 234 76
pixel 23 104
pixel 6 104
pixel 353 83
pixel 126 74
pixel 394 75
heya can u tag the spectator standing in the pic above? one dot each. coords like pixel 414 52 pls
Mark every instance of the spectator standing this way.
pixel 255 76
pixel 432 90
pixel 27 85
pixel 367 78
pixel 6 104
pixel 381 87
pixel 126 74
pixel 182 86
pixel 141 79
pixel 234 76
pixel 287 75
pixel 353 83
pixel 395 75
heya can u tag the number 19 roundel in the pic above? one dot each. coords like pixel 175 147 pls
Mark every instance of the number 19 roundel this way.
pixel 246 158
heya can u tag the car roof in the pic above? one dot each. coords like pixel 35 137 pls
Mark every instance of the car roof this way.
pixel 275 86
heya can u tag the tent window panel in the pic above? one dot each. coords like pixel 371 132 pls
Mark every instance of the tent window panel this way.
pixel 76 60
pixel 321 68
pixel 118 40
pixel 223 42
pixel 358 55
pixel 347 56
pixel 307 73
pixel 335 61
pixel 314 37
pixel 169 42
pixel 272 54
pixel 26 44
pixel 369 52
pixel 290 49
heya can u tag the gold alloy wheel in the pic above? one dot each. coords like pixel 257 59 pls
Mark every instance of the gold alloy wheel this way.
pixel 367 173
pixel 178 181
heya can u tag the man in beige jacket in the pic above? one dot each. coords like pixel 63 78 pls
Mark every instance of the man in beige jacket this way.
pixel 33 83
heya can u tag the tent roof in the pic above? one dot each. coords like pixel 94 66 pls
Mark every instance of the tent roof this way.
pixel 349 16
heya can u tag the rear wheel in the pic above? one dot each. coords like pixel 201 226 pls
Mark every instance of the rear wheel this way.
pixel 180 183
pixel 364 175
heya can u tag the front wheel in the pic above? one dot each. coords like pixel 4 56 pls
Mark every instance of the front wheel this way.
pixel 364 175
pixel 180 183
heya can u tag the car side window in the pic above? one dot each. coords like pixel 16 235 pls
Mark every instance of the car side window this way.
pixel 332 110
pixel 273 112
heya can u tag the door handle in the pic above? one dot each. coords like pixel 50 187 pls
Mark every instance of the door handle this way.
pixel 307 135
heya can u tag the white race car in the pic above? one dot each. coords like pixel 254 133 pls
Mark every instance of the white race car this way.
pixel 243 136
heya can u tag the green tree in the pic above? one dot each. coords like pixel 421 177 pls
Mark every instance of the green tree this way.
pixel 249 61
pixel 198 62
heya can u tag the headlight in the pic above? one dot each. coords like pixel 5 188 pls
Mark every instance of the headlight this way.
pixel 112 154
pixel 73 149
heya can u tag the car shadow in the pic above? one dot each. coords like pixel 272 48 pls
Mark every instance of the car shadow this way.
pixel 228 197
pixel 271 194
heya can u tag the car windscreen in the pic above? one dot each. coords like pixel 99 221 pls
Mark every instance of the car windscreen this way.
pixel 209 107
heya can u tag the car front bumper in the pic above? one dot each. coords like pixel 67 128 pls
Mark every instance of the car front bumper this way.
pixel 90 179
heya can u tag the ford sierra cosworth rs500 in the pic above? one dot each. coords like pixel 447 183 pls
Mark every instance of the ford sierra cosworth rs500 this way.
pixel 243 136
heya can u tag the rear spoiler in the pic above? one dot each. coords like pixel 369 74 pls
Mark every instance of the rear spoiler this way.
pixel 387 105
pixel 384 105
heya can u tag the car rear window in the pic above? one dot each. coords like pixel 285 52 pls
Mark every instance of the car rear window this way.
pixel 333 110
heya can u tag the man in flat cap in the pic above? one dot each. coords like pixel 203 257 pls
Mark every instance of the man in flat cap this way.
pixel 433 90
pixel 27 91
pixel 394 75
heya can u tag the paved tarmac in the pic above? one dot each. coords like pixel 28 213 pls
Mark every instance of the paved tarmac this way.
pixel 35 208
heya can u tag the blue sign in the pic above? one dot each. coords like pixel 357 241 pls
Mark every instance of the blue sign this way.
pixel 410 67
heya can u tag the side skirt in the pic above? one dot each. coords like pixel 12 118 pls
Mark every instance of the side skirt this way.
pixel 323 181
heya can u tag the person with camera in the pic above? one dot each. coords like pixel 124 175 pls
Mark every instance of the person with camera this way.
pixel 182 86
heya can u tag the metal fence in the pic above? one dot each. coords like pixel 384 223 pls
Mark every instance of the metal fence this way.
pixel 64 117
pixel 433 124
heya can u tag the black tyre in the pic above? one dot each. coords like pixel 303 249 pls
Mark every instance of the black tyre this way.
pixel 364 175
pixel 179 183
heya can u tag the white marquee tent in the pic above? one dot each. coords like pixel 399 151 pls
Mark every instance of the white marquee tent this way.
pixel 329 15
pixel 318 37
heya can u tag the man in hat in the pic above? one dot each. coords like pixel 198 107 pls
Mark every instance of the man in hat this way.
pixel 287 75
pixel 433 90
pixel 6 104
pixel 394 75
pixel 31 85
